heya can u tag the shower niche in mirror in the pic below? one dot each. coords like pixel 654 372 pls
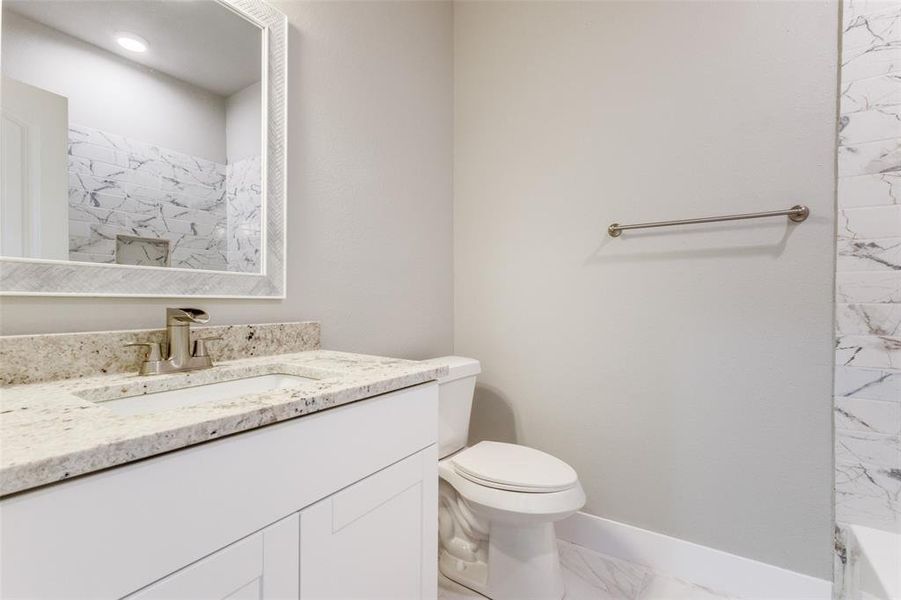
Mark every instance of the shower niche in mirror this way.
pixel 142 142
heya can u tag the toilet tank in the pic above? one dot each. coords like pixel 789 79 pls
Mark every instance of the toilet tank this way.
pixel 455 392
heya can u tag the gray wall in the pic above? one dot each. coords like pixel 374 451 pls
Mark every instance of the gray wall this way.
pixel 114 94
pixel 685 374
pixel 243 123
pixel 369 190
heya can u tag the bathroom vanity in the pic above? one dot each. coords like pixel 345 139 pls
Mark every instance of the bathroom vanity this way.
pixel 282 472
pixel 322 486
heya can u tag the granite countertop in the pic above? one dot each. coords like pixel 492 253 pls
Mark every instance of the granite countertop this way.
pixel 53 431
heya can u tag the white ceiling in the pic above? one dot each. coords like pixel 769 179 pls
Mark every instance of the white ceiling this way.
pixel 201 42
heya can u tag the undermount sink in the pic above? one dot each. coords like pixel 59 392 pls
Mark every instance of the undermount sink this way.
pixel 202 394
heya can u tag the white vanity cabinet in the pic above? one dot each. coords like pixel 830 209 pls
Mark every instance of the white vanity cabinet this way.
pixel 263 565
pixel 337 504
pixel 375 530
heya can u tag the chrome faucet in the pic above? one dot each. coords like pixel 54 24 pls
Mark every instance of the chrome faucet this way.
pixel 179 355
pixel 178 334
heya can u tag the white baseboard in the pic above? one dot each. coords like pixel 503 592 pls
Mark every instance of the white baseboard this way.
pixel 714 569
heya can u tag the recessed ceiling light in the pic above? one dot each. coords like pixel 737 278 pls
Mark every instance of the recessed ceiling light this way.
pixel 131 42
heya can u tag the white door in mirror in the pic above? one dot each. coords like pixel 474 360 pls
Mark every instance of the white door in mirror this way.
pixel 34 193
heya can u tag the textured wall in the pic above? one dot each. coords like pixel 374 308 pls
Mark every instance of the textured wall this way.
pixel 684 373
pixel 369 190
pixel 868 279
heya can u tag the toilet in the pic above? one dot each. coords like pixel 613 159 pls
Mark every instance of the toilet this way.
pixel 497 502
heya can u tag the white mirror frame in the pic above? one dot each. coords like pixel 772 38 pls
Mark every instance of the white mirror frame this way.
pixel 42 277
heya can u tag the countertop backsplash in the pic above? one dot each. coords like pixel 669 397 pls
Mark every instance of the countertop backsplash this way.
pixel 51 357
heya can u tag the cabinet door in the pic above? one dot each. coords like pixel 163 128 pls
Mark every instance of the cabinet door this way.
pixel 263 566
pixel 376 539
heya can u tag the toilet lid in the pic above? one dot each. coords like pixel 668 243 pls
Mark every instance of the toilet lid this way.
pixel 515 468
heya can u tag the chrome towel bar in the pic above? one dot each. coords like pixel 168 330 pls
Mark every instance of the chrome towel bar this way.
pixel 796 213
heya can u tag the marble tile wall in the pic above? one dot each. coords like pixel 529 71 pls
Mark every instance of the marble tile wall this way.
pixel 868 269
pixel 243 206
pixel 208 212
pixel 121 186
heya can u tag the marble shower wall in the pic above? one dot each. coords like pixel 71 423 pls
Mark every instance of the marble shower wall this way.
pixel 868 277
pixel 121 189
pixel 243 192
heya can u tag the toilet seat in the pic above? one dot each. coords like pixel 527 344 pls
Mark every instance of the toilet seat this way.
pixel 495 500
pixel 514 468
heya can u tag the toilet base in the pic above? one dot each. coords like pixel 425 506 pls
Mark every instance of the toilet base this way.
pixel 523 564
pixel 498 542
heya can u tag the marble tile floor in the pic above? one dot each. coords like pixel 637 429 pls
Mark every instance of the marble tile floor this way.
pixel 589 575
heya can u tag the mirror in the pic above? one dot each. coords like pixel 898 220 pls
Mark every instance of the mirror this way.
pixel 133 134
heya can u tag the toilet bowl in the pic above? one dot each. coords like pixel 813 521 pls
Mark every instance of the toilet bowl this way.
pixel 497 503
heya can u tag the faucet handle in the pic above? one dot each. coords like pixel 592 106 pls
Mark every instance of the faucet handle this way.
pixel 186 315
pixel 154 354
pixel 200 345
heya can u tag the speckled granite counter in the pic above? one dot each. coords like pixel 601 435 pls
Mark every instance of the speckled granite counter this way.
pixel 53 431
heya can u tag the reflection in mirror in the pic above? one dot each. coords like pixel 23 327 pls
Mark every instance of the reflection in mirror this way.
pixel 131 133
